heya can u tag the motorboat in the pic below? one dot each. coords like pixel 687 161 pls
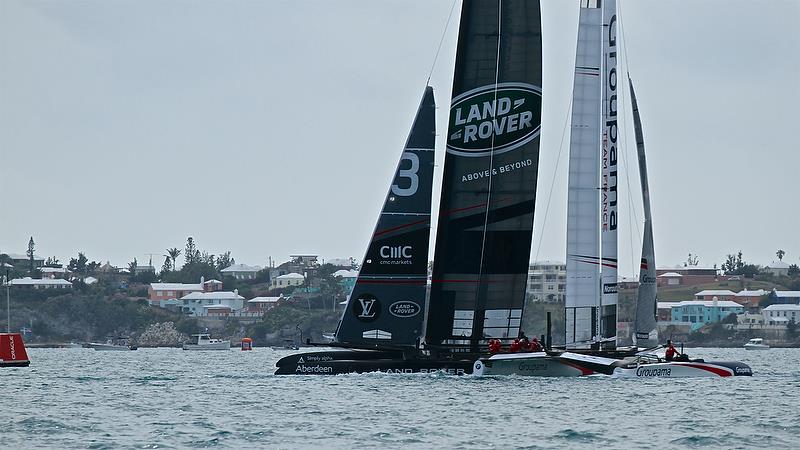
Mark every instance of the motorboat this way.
pixel 288 344
pixel 112 344
pixel 205 342
pixel 756 344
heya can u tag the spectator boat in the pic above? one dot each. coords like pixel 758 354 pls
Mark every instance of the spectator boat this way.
pixel 205 342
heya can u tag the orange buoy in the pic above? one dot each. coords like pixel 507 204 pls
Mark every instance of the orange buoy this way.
pixel 247 344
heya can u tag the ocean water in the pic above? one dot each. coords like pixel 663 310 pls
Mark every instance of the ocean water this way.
pixel 168 398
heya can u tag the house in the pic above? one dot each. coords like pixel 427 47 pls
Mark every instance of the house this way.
pixel 777 268
pixel 203 303
pixel 692 275
pixel 90 281
pixel 22 261
pixel 781 314
pixel 263 304
pixel 664 311
pixel 347 279
pixel 750 319
pixel 715 294
pixel 750 299
pixel 290 279
pixel 54 272
pixel 138 270
pixel 547 281
pixel 669 279
pixel 784 297
pixel 704 312
pixel 241 271
pixel 166 291
pixel 44 283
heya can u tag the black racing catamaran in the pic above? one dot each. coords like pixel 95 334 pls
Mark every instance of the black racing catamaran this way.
pixel 485 219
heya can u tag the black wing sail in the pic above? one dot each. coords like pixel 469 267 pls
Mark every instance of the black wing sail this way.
pixel 386 307
pixel 489 183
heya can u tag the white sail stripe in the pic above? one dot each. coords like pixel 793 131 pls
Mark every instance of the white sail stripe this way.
pixel 404 214
pixel 408 149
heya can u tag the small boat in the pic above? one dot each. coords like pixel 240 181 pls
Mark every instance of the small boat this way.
pixel 756 344
pixel 12 351
pixel 118 344
pixel 72 345
pixel 204 342
pixel 288 344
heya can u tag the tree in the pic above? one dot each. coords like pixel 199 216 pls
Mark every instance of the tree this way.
pixel 132 266
pixel 31 247
pixel 167 267
pixel 52 261
pixel 794 270
pixel 92 267
pixel 780 254
pixel 224 261
pixel 692 260
pixel 192 254
pixel 78 264
pixel 173 254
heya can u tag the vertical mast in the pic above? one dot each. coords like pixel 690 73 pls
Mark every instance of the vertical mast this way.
pixel 645 321
pixel 490 170
pixel 583 208
pixel 609 212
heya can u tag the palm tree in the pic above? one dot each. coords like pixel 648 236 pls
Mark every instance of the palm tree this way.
pixel 780 254
pixel 173 255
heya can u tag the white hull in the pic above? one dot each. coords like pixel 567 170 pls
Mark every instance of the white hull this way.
pixel 109 347
pixel 756 347
pixel 528 364
pixel 224 345
pixel 683 370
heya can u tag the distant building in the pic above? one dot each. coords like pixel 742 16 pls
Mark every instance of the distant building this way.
pixel 54 272
pixel 263 304
pixel 750 319
pixel 784 297
pixel 781 314
pixel 777 268
pixel 290 279
pixel 138 270
pixel 347 279
pixel 90 281
pixel 715 294
pixel 704 312
pixel 241 271
pixel 691 275
pixel 44 283
pixel 547 281
pixel 158 292
pixel 750 299
pixel 670 279
pixel 664 311
pixel 204 303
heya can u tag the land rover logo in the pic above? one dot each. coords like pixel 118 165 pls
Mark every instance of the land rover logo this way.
pixel 502 118
pixel 366 308
pixel 404 308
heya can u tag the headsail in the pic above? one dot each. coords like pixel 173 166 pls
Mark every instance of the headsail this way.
pixel 386 307
pixel 489 182
pixel 583 207
pixel 645 322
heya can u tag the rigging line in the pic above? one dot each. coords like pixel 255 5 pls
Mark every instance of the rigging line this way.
pixel 491 157
pixel 441 41
pixel 622 38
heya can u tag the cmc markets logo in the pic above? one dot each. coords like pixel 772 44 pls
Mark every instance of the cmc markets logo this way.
pixel 396 254
pixel 498 117
pixel 404 308
pixel 366 308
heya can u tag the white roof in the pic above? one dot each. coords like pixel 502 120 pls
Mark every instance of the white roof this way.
pixel 709 303
pixel 716 292
pixel 786 293
pixel 346 273
pixel 778 265
pixel 670 274
pixel 90 280
pixel 212 281
pixel 291 276
pixel 28 281
pixel 778 319
pixel 218 295
pixel 241 268
pixel 756 293
pixel 666 305
pixel 53 270
pixel 782 308
pixel 176 287
pixel 217 306
pixel 264 299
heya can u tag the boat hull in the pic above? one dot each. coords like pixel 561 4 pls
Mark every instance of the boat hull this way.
pixel 756 347
pixel 109 347
pixel 530 364
pixel 214 346
pixel 365 361
pixel 690 369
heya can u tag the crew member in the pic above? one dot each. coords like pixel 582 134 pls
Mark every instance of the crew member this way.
pixel 495 346
pixel 671 351
pixel 515 346
pixel 536 346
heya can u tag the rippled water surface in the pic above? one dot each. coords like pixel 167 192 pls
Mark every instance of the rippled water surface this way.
pixel 168 398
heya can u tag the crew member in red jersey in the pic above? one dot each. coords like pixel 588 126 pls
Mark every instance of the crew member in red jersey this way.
pixel 536 346
pixel 495 346
pixel 515 346
pixel 671 351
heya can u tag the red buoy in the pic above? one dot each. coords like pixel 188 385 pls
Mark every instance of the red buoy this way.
pixel 247 344
pixel 12 351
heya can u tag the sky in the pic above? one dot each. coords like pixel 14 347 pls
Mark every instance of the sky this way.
pixel 273 127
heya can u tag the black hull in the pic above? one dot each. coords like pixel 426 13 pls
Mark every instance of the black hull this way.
pixel 15 363
pixel 365 361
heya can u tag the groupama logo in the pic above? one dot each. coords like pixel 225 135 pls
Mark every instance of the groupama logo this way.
pixel 498 117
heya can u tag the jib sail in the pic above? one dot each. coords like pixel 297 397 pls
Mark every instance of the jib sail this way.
pixel 386 307
pixel 645 321
pixel 489 182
